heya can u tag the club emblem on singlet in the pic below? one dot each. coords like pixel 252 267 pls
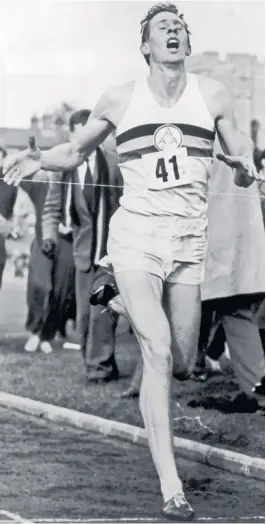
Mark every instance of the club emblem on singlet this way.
pixel 166 136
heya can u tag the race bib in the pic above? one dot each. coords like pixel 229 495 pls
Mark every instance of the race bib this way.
pixel 166 169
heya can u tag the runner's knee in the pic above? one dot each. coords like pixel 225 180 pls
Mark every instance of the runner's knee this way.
pixel 157 354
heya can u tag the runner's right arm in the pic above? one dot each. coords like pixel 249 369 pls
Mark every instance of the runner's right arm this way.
pixel 64 156
pixel 71 155
pixel 103 120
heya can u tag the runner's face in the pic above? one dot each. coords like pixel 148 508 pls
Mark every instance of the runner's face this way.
pixel 168 39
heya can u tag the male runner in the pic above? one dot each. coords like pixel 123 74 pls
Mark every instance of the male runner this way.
pixel 165 128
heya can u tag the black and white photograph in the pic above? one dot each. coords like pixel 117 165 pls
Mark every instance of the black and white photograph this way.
pixel 132 261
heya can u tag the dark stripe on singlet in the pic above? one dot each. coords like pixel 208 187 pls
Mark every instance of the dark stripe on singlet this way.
pixel 149 129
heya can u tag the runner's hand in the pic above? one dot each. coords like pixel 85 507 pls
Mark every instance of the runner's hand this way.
pixel 244 165
pixel 22 164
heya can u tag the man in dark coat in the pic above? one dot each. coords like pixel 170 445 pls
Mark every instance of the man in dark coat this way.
pixel 82 205
pixel 50 286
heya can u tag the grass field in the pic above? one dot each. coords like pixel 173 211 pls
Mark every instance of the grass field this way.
pixel 59 378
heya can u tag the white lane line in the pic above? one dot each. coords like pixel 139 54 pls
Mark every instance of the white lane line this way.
pixel 144 520
pixel 20 520
pixel 228 519
pixel 14 517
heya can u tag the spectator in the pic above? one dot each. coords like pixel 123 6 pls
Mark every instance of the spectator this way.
pixel 84 203
pixel 234 279
pixel 50 284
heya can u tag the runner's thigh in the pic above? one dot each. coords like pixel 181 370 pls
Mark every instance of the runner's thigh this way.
pixel 141 293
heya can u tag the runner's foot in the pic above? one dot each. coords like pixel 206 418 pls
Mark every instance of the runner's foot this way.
pixel 178 509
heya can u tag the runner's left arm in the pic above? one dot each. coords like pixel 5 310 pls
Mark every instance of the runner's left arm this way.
pixel 236 145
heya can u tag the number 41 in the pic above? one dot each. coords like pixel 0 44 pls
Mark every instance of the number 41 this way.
pixel 161 171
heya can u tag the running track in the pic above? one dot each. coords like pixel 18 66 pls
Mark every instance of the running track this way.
pixel 54 472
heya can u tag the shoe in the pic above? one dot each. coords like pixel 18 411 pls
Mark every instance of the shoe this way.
pixel 72 345
pixel 46 347
pixel 259 389
pixel 32 344
pixel 200 377
pixel 103 294
pixel 213 366
pixel 99 375
pixel 178 509
pixel 131 392
pixel 243 403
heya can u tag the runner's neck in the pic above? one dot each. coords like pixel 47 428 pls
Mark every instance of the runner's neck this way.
pixel 167 84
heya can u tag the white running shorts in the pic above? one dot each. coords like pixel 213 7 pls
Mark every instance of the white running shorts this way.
pixel 171 247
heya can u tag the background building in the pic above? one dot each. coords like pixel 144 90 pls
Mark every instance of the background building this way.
pixel 242 74
pixel 244 77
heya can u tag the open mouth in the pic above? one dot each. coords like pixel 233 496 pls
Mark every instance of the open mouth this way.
pixel 173 43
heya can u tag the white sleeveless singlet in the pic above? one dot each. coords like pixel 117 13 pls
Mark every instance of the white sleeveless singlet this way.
pixel 166 154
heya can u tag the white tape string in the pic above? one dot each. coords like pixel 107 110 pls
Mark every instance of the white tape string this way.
pixel 37 181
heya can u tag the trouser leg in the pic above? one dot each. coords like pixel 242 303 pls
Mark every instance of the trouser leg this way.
pixel 246 352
